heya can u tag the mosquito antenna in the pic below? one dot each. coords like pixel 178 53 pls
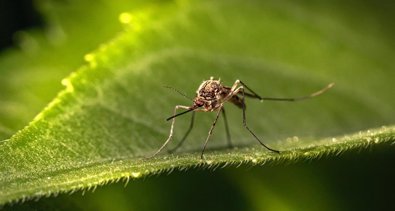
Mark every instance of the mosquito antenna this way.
pixel 179 92
pixel 315 94
pixel 184 112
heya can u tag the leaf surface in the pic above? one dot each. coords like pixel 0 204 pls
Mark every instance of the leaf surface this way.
pixel 111 114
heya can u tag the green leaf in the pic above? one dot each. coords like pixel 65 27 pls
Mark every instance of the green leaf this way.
pixel 111 113
pixel 31 73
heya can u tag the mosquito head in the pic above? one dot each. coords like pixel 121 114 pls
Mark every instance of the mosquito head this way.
pixel 198 103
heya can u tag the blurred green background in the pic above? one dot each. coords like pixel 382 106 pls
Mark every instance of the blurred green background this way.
pixel 357 180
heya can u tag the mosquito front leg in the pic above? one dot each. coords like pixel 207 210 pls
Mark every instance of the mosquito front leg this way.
pixel 186 134
pixel 210 132
pixel 241 89
pixel 171 128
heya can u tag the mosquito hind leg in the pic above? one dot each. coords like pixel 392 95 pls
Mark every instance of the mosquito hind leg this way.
pixel 253 94
pixel 241 89
pixel 289 99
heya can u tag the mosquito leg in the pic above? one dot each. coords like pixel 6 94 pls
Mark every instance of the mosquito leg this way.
pixel 241 89
pixel 227 129
pixel 235 90
pixel 186 134
pixel 290 99
pixel 210 132
pixel 253 95
pixel 171 129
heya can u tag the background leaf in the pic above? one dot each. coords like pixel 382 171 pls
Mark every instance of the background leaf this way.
pixel 113 108
pixel 31 73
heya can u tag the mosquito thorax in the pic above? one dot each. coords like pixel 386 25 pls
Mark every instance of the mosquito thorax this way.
pixel 210 93
pixel 209 89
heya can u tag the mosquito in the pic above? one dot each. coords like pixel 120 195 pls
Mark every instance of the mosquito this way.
pixel 211 96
